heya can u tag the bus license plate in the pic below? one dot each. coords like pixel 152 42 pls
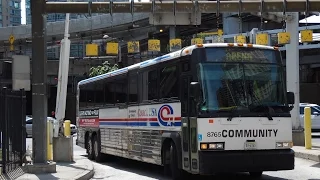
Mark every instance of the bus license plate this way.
pixel 250 145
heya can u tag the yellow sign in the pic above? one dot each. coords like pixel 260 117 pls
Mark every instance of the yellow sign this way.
pixel 283 38
pixel 92 50
pixel 175 44
pixel 133 47
pixel 11 48
pixel 220 32
pixel 112 48
pixel 262 39
pixel 240 39
pixel 306 35
pixel 196 41
pixel 153 45
pixel 11 39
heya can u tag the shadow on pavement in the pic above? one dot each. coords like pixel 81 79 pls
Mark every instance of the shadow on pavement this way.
pixel 156 172
pixel 316 165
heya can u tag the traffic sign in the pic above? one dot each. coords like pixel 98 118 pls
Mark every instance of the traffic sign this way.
pixel 11 39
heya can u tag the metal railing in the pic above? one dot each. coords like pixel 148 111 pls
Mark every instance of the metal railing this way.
pixel 12 129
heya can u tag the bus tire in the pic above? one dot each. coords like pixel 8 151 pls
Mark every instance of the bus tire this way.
pixel 176 173
pixel 90 148
pixel 97 149
pixel 256 174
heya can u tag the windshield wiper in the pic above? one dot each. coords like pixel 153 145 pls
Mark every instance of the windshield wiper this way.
pixel 232 111
pixel 266 109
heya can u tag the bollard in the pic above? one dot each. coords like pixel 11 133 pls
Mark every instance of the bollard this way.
pixel 67 129
pixel 307 127
pixel 49 142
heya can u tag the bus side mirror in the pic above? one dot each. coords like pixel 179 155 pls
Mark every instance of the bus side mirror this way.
pixel 195 90
pixel 290 97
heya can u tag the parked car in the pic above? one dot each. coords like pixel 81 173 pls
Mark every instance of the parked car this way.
pixel 29 126
pixel 315 115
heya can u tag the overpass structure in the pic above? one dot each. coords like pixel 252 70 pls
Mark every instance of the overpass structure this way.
pixel 96 26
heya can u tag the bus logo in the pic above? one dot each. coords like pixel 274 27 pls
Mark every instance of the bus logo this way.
pixel 164 115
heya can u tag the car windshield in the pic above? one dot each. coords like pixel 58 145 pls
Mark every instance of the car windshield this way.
pixel 229 85
pixel 317 108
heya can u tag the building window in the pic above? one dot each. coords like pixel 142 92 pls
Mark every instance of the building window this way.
pixel 16 5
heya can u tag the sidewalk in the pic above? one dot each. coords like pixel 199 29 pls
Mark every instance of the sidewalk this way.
pixel 81 169
pixel 310 154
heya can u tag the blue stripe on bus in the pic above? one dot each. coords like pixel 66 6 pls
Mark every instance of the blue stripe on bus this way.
pixel 154 124
pixel 157 124
pixel 124 123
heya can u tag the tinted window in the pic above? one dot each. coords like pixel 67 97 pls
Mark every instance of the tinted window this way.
pixel 133 88
pixel 87 95
pixel 152 85
pixel 109 92
pixel 29 121
pixel 120 89
pixel 169 82
pixel 99 92
pixel 301 110
pixel 149 89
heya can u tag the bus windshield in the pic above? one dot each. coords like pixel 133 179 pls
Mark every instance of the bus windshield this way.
pixel 242 84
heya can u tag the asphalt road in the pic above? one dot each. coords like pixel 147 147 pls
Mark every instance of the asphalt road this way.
pixel 316 139
pixel 123 169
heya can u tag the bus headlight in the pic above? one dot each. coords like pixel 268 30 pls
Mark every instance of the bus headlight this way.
pixel 283 144
pixel 212 146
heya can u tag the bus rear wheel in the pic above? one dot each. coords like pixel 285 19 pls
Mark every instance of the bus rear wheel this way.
pixel 97 149
pixel 90 148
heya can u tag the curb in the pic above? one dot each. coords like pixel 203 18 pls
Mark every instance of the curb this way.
pixel 308 156
pixel 87 174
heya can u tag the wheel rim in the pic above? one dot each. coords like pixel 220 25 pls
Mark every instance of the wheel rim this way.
pixel 96 148
pixel 89 146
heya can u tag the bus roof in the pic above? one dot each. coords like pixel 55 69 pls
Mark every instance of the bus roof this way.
pixel 183 52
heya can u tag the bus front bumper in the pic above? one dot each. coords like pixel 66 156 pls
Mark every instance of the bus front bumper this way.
pixel 245 161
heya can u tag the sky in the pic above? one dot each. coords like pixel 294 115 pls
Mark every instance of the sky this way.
pixel 23 11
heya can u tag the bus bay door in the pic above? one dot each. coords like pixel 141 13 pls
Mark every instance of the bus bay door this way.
pixel 189 147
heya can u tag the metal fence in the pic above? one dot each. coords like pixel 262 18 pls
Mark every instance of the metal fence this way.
pixel 12 129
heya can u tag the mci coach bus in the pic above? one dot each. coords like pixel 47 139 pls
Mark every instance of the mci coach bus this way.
pixel 205 109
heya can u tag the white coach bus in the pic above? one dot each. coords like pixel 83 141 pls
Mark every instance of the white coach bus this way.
pixel 205 109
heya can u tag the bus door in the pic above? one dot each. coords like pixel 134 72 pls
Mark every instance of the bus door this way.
pixel 189 127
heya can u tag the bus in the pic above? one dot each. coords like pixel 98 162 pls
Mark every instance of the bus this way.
pixel 205 109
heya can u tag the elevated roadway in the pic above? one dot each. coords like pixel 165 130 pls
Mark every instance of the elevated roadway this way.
pixel 99 25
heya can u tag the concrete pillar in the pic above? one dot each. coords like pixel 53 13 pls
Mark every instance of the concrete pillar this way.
pixel 172 32
pixel 292 70
pixel 230 24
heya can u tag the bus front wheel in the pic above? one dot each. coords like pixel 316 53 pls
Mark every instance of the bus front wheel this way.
pixel 176 173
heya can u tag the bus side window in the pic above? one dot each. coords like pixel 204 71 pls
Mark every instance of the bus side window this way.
pixel 133 88
pixel 108 92
pixel 99 93
pixel 90 94
pixel 121 89
pixel 169 82
pixel 83 97
pixel 149 91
